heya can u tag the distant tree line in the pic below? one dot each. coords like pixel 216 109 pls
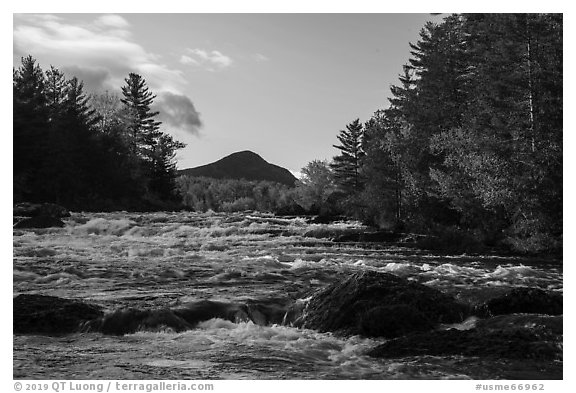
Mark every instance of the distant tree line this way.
pixel 315 193
pixel 472 139
pixel 232 195
pixel 93 152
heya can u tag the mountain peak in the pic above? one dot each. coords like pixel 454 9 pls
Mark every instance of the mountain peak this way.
pixel 244 155
pixel 243 165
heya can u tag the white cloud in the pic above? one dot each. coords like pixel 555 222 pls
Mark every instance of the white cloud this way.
pixel 102 53
pixel 102 44
pixel 178 112
pixel 211 61
pixel 114 21
pixel 186 60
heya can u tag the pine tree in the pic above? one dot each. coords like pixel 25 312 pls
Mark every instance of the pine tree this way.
pixel 155 148
pixel 382 194
pixel 518 74
pixel 55 86
pixel 72 144
pixel 402 96
pixel 429 100
pixel 58 163
pixel 30 124
pixel 67 152
pixel 77 104
pixel 347 165
pixel 499 164
pixel 164 175
pixel 144 128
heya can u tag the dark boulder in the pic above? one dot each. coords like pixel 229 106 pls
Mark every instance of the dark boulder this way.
pixel 378 305
pixel 523 300
pixel 131 320
pixel 510 337
pixel 39 222
pixel 290 210
pixel 26 209
pixel 38 314
pixel 39 215
pixel 393 321
pixel 50 315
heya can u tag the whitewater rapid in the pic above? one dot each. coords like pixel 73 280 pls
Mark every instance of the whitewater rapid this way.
pixel 169 259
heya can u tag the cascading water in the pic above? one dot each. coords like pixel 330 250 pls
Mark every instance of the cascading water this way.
pixel 159 260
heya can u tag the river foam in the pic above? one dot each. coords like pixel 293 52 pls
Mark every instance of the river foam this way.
pixel 167 260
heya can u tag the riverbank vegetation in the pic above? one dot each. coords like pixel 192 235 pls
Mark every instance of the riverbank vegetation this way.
pixel 89 152
pixel 469 149
pixel 471 143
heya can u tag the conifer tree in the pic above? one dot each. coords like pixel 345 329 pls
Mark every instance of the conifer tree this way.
pixel 30 122
pixel 71 141
pixel 55 86
pixel 155 148
pixel 144 128
pixel 347 165
pixel 476 130
pixel 382 193
pixel 164 166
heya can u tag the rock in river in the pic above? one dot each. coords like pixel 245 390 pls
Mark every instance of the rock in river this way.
pixel 39 222
pixel 26 209
pixel 523 300
pixel 39 215
pixel 509 336
pixel 377 304
pixel 39 314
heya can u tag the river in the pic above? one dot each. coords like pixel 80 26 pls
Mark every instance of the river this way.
pixel 168 259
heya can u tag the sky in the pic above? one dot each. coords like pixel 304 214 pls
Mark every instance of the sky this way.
pixel 281 85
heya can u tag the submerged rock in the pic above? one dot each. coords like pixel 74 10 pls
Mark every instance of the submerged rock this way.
pixel 290 210
pixel 203 310
pixel 523 300
pixel 545 324
pixel 378 305
pixel 39 314
pixel 513 337
pixel 39 222
pixel 266 312
pixel 378 236
pixel 130 320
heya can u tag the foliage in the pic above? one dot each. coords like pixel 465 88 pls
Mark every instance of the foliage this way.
pixel 97 152
pixel 472 139
pixel 317 188
pixel 144 129
pixel 204 193
pixel 346 166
